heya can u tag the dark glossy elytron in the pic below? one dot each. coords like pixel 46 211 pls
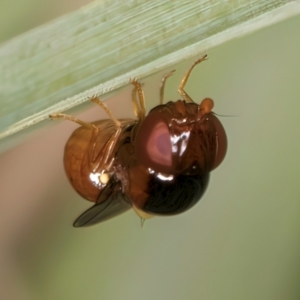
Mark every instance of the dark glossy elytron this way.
pixel 158 164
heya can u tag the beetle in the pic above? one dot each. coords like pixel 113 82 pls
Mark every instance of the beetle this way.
pixel 157 164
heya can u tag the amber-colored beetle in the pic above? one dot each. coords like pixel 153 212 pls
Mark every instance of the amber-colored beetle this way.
pixel 158 164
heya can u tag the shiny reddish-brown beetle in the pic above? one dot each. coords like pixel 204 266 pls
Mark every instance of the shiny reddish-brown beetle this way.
pixel 158 164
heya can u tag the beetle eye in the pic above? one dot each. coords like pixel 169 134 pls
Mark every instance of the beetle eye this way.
pixel 153 144
pixel 221 141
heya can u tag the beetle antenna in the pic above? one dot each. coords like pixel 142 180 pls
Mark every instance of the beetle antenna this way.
pixel 234 116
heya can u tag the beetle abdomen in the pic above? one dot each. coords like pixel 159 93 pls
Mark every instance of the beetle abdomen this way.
pixel 81 152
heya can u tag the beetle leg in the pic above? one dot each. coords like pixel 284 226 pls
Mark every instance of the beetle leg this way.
pixel 135 105
pixel 107 110
pixel 73 119
pixel 138 89
pixel 162 87
pixel 106 160
pixel 110 146
pixel 109 150
pixel 184 80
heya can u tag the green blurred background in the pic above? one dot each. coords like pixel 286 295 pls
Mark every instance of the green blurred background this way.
pixel 240 242
pixel 18 16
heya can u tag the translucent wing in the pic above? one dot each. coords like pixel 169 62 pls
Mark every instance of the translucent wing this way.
pixel 111 202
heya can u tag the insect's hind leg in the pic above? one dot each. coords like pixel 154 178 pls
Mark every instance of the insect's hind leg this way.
pixel 107 110
pixel 162 87
pixel 73 119
pixel 181 90
pixel 139 107
pixel 85 124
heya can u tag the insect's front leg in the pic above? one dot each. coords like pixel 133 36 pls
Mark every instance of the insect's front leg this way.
pixel 181 90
